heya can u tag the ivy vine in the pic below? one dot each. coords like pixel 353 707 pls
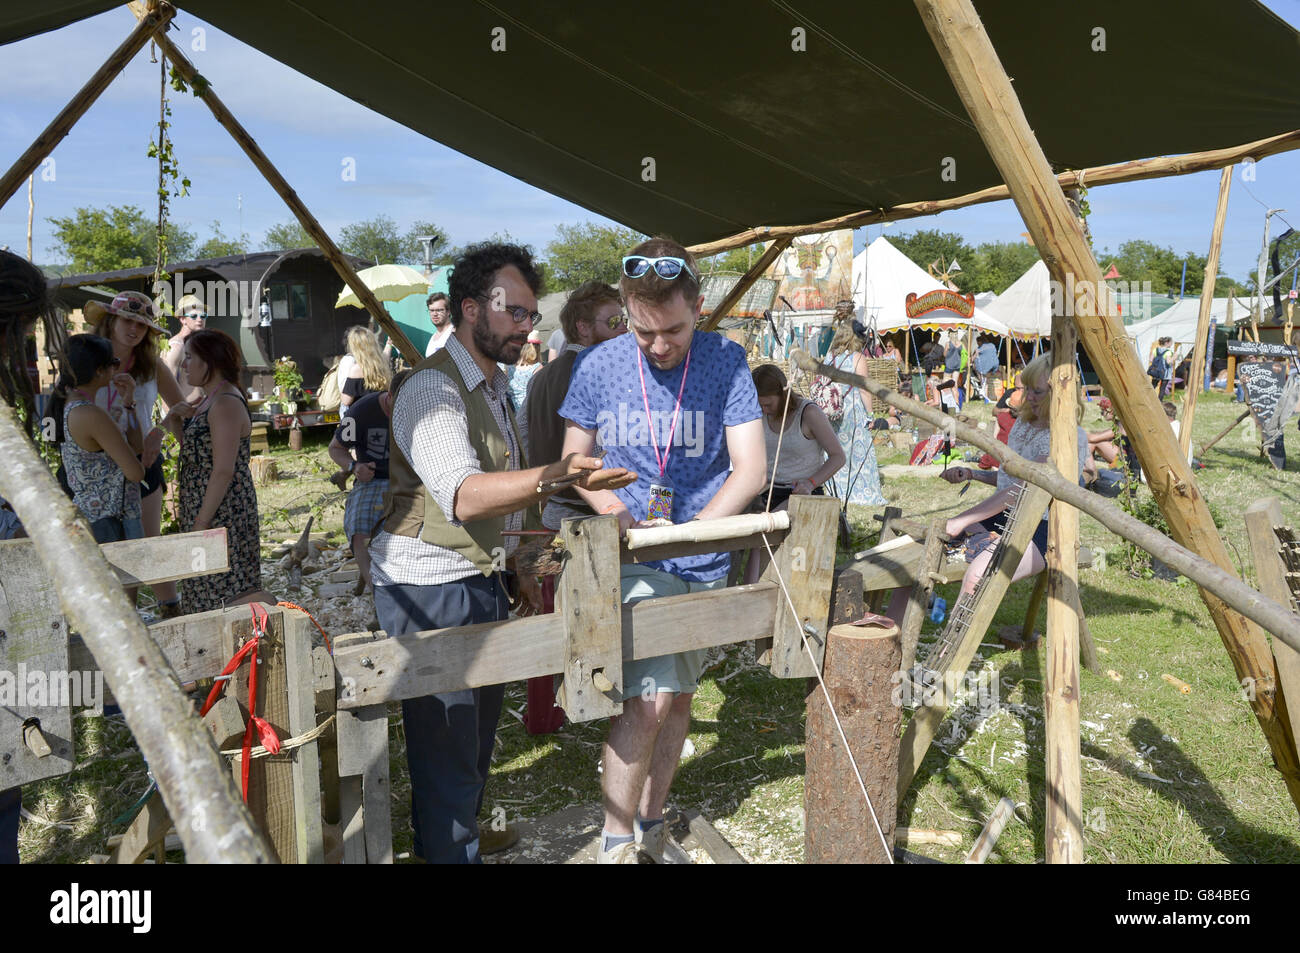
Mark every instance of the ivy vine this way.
pixel 171 183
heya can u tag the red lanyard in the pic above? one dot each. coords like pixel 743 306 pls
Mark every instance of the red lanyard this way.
pixel 645 397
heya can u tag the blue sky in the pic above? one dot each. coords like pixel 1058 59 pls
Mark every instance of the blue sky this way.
pixel 407 177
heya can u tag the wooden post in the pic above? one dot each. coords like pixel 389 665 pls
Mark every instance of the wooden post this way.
pixel 919 599
pixel 860 672
pixel 804 564
pixel 365 805
pixel 152 22
pixel 290 197
pixel 986 91
pixel 1261 518
pixel 1035 604
pixel 1064 825
pixel 589 598
pixel 745 282
pixel 210 816
pixel 1197 368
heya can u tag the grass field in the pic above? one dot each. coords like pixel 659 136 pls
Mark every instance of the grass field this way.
pixel 1168 778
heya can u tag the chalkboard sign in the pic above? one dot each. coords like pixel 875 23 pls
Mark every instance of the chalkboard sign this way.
pixel 1272 399
pixel 1256 349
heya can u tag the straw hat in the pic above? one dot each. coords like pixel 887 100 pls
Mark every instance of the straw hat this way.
pixel 128 304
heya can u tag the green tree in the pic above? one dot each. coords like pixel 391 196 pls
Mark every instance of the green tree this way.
pixel 1140 261
pixel 376 239
pixel 287 235
pixel 414 251
pixel 219 245
pixel 995 266
pixel 121 236
pixel 737 260
pixel 587 251
pixel 931 245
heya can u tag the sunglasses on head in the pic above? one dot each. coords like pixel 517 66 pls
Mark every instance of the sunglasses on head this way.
pixel 667 267
pixel 518 313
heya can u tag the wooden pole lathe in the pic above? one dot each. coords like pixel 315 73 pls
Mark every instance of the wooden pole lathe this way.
pixel 201 797
pixel 151 22
pixel 987 93
pixel 1261 518
pixel 1064 824
pixel 1196 370
pixel 745 282
pixel 290 197
pixel 1279 620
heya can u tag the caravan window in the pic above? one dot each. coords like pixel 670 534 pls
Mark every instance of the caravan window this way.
pixel 289 301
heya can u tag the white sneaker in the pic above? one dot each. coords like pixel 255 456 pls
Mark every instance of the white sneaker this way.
pixel 626 853
pixel 660 846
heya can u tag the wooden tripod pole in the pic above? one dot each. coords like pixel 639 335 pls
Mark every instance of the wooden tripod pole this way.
pixel 1064 827
pixel 744 283
pixel 290 197
pixel 1196 370
pixel 987 93
pixel 151 22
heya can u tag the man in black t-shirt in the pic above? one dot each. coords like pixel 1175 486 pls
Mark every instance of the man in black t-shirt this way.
pixel 360 447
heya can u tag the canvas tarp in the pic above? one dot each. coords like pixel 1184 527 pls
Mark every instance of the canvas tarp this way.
pixel 732 114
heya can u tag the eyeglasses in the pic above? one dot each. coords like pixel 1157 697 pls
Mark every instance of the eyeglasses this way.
pixel 115 362
pixel 616 321
pixel 667 268
pixel 518 313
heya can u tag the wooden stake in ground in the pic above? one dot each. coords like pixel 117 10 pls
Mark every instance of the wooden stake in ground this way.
pixel 1263 527
pixel 151 22
pixel 300 211
pixel 989 98
pixel 1196 373
pixel 1061 695
pixel 860 672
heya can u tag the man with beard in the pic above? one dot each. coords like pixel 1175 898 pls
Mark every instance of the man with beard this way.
pixel 458 480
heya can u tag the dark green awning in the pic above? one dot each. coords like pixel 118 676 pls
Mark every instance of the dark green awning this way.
pixel 743 130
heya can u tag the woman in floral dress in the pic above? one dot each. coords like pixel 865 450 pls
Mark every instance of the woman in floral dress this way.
pixel 216 486
pixel 858 481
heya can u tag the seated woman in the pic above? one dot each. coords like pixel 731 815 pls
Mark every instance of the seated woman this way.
pixel 102 463
pixel 216 486
pixel 809 451
pixel 1030 437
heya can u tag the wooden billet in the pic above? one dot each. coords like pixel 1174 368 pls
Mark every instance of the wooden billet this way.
pixel 804 565
pixel 589 602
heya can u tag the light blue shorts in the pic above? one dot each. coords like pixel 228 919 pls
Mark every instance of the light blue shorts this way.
pixel 665 673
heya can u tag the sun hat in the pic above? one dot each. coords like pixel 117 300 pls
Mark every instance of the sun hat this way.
pixel 535 337
pixel 135 305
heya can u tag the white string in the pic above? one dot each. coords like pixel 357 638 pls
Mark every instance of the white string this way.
pixel 829 704
pixel 771 481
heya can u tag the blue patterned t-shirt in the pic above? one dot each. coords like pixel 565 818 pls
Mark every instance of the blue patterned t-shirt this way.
pixel 605 395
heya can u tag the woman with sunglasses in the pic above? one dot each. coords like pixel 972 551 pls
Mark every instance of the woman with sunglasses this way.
pixel 1031 438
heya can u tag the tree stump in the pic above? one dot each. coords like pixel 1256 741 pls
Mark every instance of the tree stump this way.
pixel 860 674
pixel 263 469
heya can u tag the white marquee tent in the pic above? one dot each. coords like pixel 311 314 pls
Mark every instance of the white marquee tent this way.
pixel 1026 307
pixel 1179 323
pixel 883 277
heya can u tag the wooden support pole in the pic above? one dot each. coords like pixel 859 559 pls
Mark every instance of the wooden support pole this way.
pixel 150 23
pixel 1133 171
pixel 1262 517
pixel 200 794
pixel 1226 430
pixel 589 598
pixel 860 672
pixel 1035 605
pixel 290 197
pixel 1277 619
pixel 989 98
pixel 1196 372
pixel 745 282
pixel 919 599
pixel 804 566
pixel 1064 827
pixel 997 822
